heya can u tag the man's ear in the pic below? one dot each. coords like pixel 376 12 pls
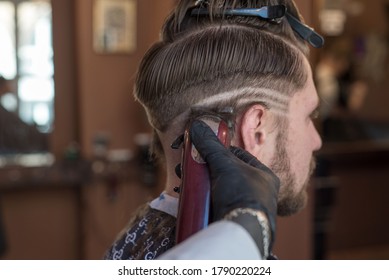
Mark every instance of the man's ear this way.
pixel 252 128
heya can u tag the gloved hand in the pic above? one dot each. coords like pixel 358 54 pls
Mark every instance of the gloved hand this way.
pixel 238 179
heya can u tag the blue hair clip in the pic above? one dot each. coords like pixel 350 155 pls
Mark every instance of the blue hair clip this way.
pixel 274 14
pixel 305 32
pixel 266 12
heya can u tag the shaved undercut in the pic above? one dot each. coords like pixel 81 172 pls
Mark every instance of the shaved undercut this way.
pixel 215 62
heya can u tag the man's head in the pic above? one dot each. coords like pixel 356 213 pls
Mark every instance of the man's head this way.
pixel 257 67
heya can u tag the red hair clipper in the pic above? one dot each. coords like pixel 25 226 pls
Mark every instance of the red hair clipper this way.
pixel 195 192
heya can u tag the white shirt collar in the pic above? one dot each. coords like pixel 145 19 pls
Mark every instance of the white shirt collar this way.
pixel 165 203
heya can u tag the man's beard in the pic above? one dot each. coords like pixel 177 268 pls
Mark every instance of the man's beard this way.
pixel 289 202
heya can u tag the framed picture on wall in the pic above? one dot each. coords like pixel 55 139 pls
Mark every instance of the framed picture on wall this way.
pixel 114 26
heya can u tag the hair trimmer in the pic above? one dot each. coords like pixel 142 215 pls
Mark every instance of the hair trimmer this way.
pixel 195 192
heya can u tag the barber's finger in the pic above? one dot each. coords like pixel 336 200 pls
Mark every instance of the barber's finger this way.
pixel 246 157
pixel 253 161
pixel 205 140
pixel 249 158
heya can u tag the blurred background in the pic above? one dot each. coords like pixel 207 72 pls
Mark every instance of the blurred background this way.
pixel 73 143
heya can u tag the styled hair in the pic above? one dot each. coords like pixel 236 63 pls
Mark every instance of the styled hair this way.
pixel 218 61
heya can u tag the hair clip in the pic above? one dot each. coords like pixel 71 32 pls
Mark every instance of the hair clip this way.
pixel 266 12
pixel 273 14
pixel 305 32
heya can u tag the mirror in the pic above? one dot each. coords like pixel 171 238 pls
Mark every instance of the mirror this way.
pixel 27 76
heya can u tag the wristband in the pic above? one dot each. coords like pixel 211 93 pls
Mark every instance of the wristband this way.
pixel 262 237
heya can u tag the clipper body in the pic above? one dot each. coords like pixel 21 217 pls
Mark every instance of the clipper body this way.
pixel 195 192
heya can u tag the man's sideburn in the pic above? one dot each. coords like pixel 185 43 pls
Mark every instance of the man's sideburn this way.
pixel 289 202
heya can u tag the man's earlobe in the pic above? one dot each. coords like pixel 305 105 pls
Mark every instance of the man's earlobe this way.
pixel 252 128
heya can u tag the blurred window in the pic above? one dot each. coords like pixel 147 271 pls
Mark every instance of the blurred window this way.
pixel 26 55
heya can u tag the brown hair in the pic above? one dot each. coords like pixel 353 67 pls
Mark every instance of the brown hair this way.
pixel 201 57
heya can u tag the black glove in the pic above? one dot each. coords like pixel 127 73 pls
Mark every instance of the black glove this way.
pixel 238 179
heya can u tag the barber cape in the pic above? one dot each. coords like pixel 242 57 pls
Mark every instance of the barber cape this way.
pixel 150 232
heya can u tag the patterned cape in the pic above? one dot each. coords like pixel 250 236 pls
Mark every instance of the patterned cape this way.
pixel 149 234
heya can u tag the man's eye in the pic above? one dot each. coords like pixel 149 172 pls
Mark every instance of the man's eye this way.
pixel 315 114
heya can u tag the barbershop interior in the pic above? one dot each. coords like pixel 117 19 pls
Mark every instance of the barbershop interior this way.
pixel 74 143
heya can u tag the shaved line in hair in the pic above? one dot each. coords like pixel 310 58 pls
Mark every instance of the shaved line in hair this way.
pixel 270 98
